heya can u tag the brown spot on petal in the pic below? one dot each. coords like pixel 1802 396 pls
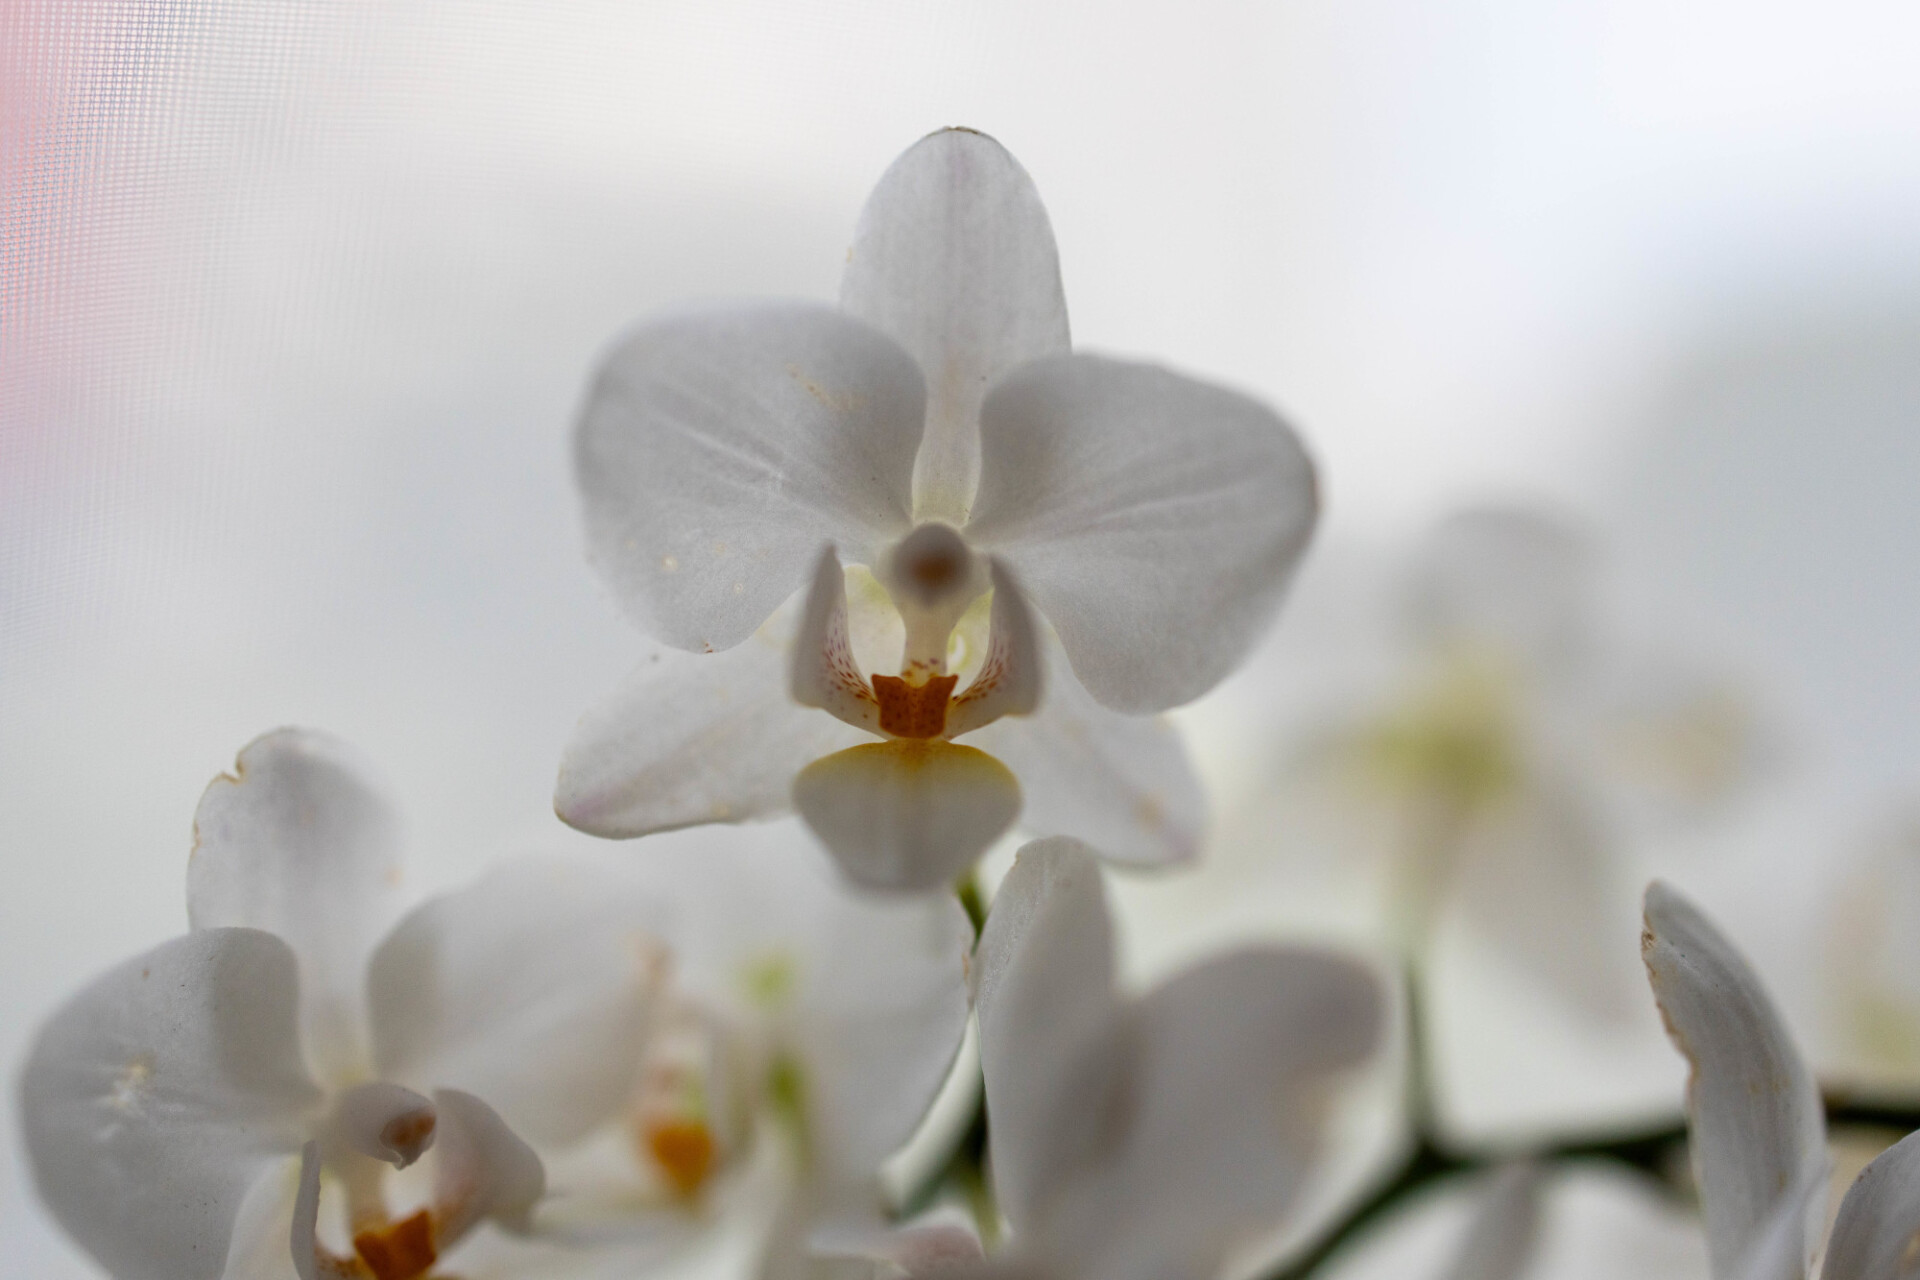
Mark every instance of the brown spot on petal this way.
pixel 914 711
pixel 684 1151
pixel 403 1251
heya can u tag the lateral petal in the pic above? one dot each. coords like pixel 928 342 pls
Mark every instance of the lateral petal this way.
pixel 1123 784
pixel 302 842
pixel 823 672
pixel 908 815
pixel 1153 519
pixel 481 1170
pixel 1043 988
pixel 1231 1065
pixel 530 988
pixel 719 447
pixel 1756 1124
pixel 153 1100
pixel 954 258
pixel 1874 1234
pixel 1010 678
pixel 694 738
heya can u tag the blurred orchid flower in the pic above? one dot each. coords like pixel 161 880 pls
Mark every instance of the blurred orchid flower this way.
pixel 1139 1138
pixel 936 430
pixel 184 1112
pixel 800 1033
pixel 1517 737
pixel 1756 1123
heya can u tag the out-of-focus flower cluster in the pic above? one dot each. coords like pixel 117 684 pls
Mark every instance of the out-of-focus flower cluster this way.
pixel 858 534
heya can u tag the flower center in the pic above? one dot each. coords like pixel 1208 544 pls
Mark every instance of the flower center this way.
pixel 910 710
pixel 684 1150
pixel 931 576
pixel 399 1251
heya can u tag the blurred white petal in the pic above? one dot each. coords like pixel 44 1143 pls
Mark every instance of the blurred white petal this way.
pixel 1231 1071
pixel 1043 982
pixel 720 448
pixel 481 1170
pixel 1786 1239
pixel 264 1235
pixel 907 815
pixel 1010 678
pixel 1153 519
pixel 693 738
pixel 1536 879
pixel 531 989
pixel 1873 1236
pixel 1756 1124
pixel 1507 579
pixel 1123 784
pixel 954 258
pixel 301 841
pixel 822 671
pixel 1500 1240
pixel 939 1239
pixel 155 1098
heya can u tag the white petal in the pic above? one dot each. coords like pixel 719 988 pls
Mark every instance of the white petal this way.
pixel 1010 678
pixel 1121 783
pixel 1232 1063
pixel 304 1229
pixel 942 1238
pixel 382 1121
pixel 531 989
pixel 907 815
pixel 694 738
pixel 823 673
pixel 1755 1120
pixel 1153 519
pixel 1500 1240
pixel 719 448
pixel 1043 976
pixel 154 1099
pixel 880 1022
pixel 264 1228
pixel 1507 579
pixel 1780 1249
pixel 1534 878
pixel 1873 1236
pixel 954 258
pixel 481 1169
pixel 869 992
pixel 302 842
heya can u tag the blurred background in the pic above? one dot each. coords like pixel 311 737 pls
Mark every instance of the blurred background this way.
pixel 297 301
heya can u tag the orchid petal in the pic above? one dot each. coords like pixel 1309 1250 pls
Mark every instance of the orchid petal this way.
pixel 1153 519
pixel 383 1121
pixel 1509 580
pixel 940 1239
pixel 1229 1080
pixel 1781 1249
pixel 718 448
pixel 264 1226
pixel 1122 783
pixel 908 815
pixel 1534 879
pixel 1755 1120
pixel 1873 1236
pixel 530 988
pixel 1500 1240
pixel 155 1098
pixel 1043 976
pixel 301 841
pixel 1010 678
pixel 304 1230
pixel 691 739
pixel 824 673
pixel 481 1170
pixel 863 997
pixel 954 258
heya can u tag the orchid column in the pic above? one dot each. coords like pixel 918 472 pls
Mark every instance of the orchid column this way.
pixel 1033 532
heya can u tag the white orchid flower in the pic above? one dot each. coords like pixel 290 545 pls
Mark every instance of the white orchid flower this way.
pixel 1521 744
pixel 192 1112
pixel 1757 1125
pixel 936 429
pixel 1146 1138
pixel 800 1034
